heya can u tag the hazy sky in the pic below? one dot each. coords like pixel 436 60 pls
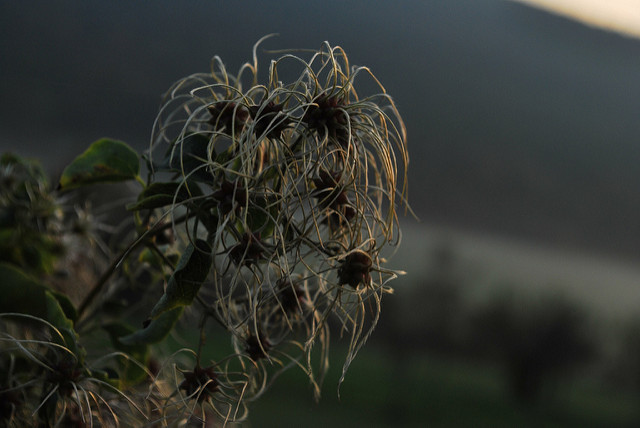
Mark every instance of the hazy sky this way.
pixel 617 15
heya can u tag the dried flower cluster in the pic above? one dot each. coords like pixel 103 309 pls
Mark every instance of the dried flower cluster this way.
pixel 294 187
pixel 266 210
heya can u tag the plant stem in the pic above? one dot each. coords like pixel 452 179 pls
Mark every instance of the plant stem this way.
pixel 97 288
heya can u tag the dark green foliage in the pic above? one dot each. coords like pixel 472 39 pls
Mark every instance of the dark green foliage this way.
pixel 131 368
pixel 23 294
pixel 184 284
pixel 155 330
pixel 191 156
pixel 158 195
pixel 104 161
pixel 29 216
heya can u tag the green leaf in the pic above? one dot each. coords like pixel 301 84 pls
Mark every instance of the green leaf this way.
pixel 66 305
pixel 132 373
pixel 57 317
pixel 158 195
pixel 205 211
pixel 261 215
pixel 156 331
pixel 189 155
pixel 24 294
pixel 184 284
pixel 104 161
pixel 21 293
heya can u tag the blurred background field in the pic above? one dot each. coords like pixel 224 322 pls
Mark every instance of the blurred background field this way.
pixel 521 305
pixel 437 392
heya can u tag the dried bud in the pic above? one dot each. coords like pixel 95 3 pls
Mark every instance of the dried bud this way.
pixel 332 195
pixel 291 295
pixel 228 116
pixel 257 347
pixel 264 115
pixel 203 382
pixel 355 269
pixel 248 251
pixel 230 196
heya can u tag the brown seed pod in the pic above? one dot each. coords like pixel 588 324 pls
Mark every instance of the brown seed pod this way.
pixel 355 269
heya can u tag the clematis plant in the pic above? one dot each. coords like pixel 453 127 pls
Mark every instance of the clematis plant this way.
pixel 264 214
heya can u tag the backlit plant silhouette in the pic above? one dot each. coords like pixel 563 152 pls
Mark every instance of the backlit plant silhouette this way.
pixel 265 210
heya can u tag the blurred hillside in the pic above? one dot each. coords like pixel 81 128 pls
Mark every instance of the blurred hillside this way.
pixel 520 123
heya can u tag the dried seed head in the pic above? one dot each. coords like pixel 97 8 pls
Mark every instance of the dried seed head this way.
pixel 327 114
pixel 303 172
pixel 230 196
pixel 332 195
pixel 228 116
pixel 356 269
pixel 257 346
pixel 248 251
pixel 201 381
pixel 66 373
pixel 291 295
pixel 263 116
